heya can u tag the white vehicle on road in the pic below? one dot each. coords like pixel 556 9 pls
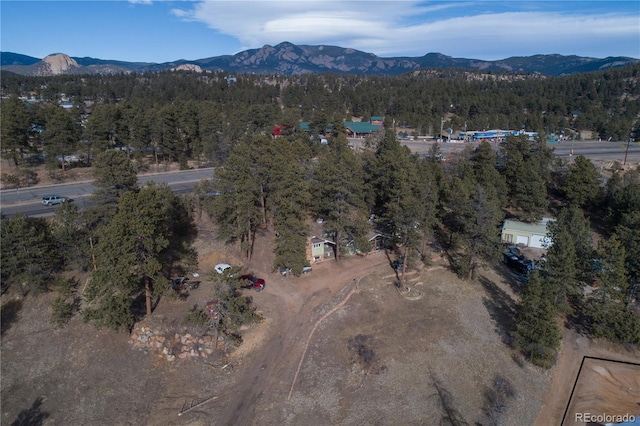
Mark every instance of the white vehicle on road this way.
pixel 51 200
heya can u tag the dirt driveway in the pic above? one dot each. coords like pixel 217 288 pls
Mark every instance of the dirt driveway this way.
pixel 272 351
pixel 341 345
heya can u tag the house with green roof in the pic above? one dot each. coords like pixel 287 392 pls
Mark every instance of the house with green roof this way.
pixel 355 129
pixel 360 129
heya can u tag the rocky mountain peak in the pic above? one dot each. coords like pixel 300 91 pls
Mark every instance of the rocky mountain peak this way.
pixel 59 63
pixel 187 67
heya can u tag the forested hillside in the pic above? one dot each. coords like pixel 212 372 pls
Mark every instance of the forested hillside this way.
pixel 193 116
pixel 278 185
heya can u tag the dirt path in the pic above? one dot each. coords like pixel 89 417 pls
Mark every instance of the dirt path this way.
pixel 574 348
pixel 265 380
pixel 564 375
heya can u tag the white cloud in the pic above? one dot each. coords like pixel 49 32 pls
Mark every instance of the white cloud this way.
pixel 141 1
pixel 412 28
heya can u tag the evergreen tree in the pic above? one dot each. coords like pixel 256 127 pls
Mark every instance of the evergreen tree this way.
pixel 561 267
pixel 431 188
pixel 537 334
pixel 72 236
pixel 399 197
pixel 582 183
pixel 573 219
pixel 608 305
pixel 628 232
pixel 61 134
pixel 100 130
pixel 288 201
pixel 473 217
pixel 526 171
pixel 114 175
pixel 482 235
pixel 129 255
pixel 29 253
pixel 622 194
pixel 338 194
pixel 236 206
pixel 14 129
pixel 484 160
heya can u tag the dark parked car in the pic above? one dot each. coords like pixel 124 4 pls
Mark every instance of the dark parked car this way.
pixel 183 283
pixel 251 281
pixel 518 263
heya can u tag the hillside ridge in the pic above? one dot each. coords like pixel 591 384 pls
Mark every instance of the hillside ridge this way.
pixel 290 59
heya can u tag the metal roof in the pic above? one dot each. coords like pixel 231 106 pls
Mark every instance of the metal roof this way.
pixel 539 228
pixel 362 127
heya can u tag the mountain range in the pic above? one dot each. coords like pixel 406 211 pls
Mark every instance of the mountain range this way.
pixel 290 59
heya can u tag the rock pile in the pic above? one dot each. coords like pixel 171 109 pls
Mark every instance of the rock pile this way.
pixel 172 345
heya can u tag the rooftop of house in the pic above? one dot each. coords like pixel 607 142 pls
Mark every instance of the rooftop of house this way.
pixel 516 225
pixel 354 126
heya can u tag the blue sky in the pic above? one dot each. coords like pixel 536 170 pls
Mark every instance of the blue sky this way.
pixel 162 31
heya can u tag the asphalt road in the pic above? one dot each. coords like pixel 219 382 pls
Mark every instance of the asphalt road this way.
pixel 27 200
pixel 594 150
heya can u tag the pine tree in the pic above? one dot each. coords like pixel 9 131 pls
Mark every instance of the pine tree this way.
pixel 288 201
pixel 399 196
pixel 628 232
pixel 537 334
pixel 61 134
pixel 608 305
pixel 526 171
pixel 113 176
pixel 338 194
pixel 484 160
pixel 561 267
pixel 573 219
pixel 473 217
pixel 29 253
pixel 129 255
pixel 582 184
pixel 237 206
pixel 71 233
pixel 14 129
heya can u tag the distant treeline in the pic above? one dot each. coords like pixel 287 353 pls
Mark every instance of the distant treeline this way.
pixel 193 114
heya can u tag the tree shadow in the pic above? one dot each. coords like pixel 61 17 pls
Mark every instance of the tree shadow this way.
pixel 497 399
pixel 501 308
pixel 32 416
pixel 388 252
pixel 139 307
pixel 511 278
pixel 449 409
pixel 578 319
pixel 9 314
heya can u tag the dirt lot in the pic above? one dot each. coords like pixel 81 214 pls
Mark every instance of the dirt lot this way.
pixel 341 345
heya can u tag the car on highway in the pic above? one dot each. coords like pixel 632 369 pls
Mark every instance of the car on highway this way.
pixel 52 200
pixel 251 281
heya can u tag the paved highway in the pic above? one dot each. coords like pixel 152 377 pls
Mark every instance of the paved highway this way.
pixel 27 200
pixel 594 150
